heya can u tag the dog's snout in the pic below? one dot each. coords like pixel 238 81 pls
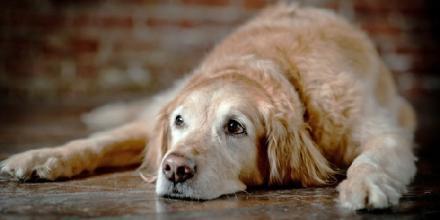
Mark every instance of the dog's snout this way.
pixel 178 168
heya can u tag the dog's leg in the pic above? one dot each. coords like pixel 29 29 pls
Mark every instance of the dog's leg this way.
pixel 386 165
pixel 118 147
pixel 121 146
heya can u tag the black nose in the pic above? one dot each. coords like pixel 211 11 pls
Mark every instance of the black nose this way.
pixel 178 168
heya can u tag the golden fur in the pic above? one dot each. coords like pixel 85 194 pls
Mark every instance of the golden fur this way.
pixel 313 94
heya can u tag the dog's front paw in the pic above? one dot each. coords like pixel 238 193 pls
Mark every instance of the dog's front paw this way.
pixel 42 163
pixel 369 188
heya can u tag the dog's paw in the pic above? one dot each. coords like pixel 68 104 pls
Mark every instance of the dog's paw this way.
pixel 42 163
pixel 369 190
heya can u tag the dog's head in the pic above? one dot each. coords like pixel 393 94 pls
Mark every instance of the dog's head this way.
pixel 224 134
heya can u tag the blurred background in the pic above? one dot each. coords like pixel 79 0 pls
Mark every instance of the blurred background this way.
pixel 59 58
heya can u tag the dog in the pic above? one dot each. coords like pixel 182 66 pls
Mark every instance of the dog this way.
pixel 292 98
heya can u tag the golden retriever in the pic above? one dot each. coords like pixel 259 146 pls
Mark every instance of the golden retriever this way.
pixel 291 98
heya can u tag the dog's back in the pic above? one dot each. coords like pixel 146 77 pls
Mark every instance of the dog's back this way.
pixel 333 66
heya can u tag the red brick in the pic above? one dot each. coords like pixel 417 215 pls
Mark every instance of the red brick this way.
pixel 332 5
pixel 140 2
pixel 380 6
pixel 84 45
pixel 186 23
pixel 109 21
pixel 18 44
pixel 52 50
pixel 426 64
pixel 206 2
pixel 415 48
pixel 33 19
pixel 13 66
pixel 156 22
pixel 381 28
pixel 183 23
pixel 254 4
pixel 133 45
pixel 87 70
pixel 80 20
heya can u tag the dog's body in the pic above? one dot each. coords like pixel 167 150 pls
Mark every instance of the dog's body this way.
pixel 289 98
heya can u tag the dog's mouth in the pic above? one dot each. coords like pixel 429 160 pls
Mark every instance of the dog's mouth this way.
pixel 182 197
pixel 176 192
pixel 179 191
pixel 193 189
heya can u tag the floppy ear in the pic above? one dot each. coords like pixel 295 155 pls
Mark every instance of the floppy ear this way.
pixel 156 148
pixel 293 156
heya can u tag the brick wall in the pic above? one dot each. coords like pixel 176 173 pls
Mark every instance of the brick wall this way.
pixel 53 50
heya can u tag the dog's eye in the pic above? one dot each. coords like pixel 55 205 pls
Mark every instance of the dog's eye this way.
pixel 233 127
pixel 179 121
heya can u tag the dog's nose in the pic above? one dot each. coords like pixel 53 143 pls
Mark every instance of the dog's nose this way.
pixel 178 168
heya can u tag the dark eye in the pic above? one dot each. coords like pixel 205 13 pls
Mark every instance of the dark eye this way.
pixel 179 121
pixel 233 127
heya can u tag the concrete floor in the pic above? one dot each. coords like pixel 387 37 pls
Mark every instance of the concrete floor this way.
pixel 122 194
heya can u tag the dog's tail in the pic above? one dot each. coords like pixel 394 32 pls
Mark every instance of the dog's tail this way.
pixel 113 114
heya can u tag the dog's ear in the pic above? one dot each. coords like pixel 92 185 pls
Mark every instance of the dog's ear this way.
pixel 293 156
pixel 156 148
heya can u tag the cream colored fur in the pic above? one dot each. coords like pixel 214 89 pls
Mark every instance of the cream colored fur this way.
pixel 310 89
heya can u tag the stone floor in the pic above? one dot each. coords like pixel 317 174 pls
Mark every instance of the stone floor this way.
pixel 122 194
